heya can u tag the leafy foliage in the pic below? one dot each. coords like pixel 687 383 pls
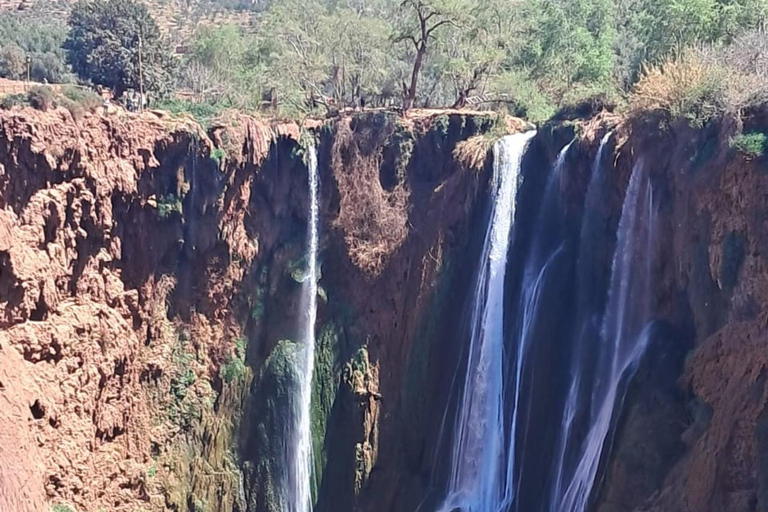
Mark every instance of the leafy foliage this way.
pixel 169 204
pixel 218 155
pixel 41 97
pixel 116 43
pixel 25 36
pixel 235 369
pixel 751 144
pixel 13 100
pixel 308 57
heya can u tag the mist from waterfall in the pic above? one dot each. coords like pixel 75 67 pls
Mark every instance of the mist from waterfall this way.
pixel 477 457
pixel 298 497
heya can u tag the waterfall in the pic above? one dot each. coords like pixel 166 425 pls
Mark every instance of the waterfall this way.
pixel 622 337
pixel 298 495
pixel 587 323
pixel 540 260
pixel 477 469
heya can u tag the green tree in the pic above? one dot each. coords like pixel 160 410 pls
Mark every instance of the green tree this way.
pixel 569 43
pixel 418 26
pixel 359 57
pixel 737 16
pixel 25 35
pixel 668 27
pixel 293 50
pixel 12 61
pixel 217 68
pixel 117 43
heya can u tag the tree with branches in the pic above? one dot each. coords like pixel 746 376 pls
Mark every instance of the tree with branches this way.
pixel 422 18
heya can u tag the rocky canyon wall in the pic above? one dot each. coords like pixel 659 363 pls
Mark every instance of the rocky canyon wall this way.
pixel 150 276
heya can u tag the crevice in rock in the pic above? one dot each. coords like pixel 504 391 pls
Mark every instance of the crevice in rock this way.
pixel 37 410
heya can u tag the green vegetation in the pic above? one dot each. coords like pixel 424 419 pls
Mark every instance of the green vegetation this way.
pixel 23 36
pixel 274 399
pixel 117 44
pixel 752 144
pixel 307 57
pixel 234 370
pixel 14 100
pixel 529 57
pixel 62 508
pixel 203 112
pixel 77 100
pixel 41 97
pixel 169 204
pixel 218 155
pixel 325 384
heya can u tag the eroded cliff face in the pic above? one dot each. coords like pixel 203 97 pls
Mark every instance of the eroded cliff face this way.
pixel 691 434
pixel 149 277
pixel 708 426
pixel 122 299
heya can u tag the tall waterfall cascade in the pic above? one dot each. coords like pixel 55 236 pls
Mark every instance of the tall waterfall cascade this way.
pixel 298 492
pixel 477 462
pixel 490 456
pixel 623 337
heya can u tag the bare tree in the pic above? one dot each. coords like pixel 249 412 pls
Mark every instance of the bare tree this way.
pixel 205 83
pixel 429 16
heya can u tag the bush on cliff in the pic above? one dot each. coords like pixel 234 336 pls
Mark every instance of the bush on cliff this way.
pixel 374 219
pixel 13 100
pixel 706 82
pixel 88 100
pixel 41 97
pixel 751 144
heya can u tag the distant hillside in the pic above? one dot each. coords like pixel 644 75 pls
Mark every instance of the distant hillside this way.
pixel 177 18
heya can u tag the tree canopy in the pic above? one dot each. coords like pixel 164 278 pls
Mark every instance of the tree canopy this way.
pixel 117 43
pixel 308 56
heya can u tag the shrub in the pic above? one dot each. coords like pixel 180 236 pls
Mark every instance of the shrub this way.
pixel 218 155
pixel 685 87
pixel 473 152
pixel 41 97
pixel 13 100
pixel 234 369
pixel 49 67
pixel 746 62
pixel 74 108
pixel 12 61
pixel 169 204
pixel 61 508
pixel 203 113
pixel 526 99
pixel 89 100
pixel 752 144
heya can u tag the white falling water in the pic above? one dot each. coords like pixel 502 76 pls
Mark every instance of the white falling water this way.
pixel 298 495
pixel 477 469
pixel 594 192
pixel 534 278
pixel 623 340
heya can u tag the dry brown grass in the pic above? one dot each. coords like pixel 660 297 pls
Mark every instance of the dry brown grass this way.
pixel 374 220
pixel 684 87
pixel 473 152
pixel 706 82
